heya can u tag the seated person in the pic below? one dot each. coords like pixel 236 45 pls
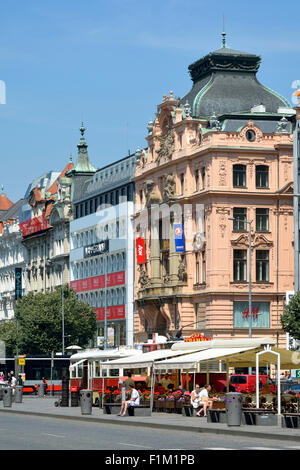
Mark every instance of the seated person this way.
pixel 133 401
pixel 204 400
pixel 166 381
pixel 195 398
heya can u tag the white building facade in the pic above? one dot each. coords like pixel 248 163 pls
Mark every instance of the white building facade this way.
pixel 101 251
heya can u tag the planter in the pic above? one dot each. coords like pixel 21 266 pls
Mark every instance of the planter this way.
pixel 218 405
pixel 170 405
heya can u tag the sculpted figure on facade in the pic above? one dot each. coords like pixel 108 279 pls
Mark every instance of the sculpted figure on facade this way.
pixel 166 148
pixel 182 274
pixel 169 187
pixel 144 280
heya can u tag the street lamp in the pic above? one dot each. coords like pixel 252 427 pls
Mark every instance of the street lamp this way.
pixel 249 222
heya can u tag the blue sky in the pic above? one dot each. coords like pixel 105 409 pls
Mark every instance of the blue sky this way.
pixel 109 62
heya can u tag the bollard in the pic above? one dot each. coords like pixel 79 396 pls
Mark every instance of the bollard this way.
pixel 18 393
pixel 86 401
pixel 233 402
pixel 41 390
pixel 7 397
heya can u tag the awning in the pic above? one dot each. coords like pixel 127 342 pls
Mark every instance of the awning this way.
pixel 190 361
pixel 98 354
pixel 235 357
pixel 144 360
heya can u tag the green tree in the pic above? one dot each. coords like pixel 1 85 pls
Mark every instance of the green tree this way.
pixel 39 318
pixel 8 334
pixel 290 319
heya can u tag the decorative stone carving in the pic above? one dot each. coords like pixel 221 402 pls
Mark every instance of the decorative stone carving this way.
pixel 151 195
pixel 187 109
pixel 222 173
pixel 169 187
pixel 214 123
pixel 166 148
pixel 282 126
pixel 182 274
pixel 144 280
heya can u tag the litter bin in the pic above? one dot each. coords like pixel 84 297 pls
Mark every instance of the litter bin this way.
pixel 18 393
pixel 74 396
pixel 7 397
pixel 233 402
pixel 86 401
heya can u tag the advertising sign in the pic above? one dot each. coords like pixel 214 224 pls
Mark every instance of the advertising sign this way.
pixel 196 337
pixel 34 225
pixel 116 312
pixel 115 279
pixel 18 283
pixel 90 283
pixel 96 249
pixel 260 314
pixel 140 251
pixel 179 238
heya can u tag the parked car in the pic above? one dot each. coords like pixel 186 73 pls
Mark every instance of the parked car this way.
pixel 293 389
pixel 247 383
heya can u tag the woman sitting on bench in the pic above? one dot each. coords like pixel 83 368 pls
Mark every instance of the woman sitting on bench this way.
pixel 204 399
pixel 134 400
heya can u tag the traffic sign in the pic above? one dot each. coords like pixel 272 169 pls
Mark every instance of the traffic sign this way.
pixel 298 373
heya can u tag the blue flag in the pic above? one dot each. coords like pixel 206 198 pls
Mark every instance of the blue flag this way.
pixel 179 238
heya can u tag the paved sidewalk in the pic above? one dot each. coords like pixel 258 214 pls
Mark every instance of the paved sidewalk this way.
pixel 45 407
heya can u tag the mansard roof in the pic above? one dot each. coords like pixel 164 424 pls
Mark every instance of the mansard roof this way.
pixel 224 81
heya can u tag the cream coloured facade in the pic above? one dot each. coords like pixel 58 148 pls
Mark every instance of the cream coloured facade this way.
pixel 216 154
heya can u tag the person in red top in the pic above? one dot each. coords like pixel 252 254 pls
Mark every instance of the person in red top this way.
pixel 159 388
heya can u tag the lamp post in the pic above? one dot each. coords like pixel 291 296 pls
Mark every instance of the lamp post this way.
pixel 249 222
pixel 52 263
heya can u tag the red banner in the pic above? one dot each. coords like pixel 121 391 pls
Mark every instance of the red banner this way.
pixel 34 225
pixel 140 251
pixel 91 283
pixel 116 312
pixel 115 279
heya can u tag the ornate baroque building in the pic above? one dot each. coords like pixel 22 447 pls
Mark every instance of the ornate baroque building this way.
pixel 224 151
pixel 12 256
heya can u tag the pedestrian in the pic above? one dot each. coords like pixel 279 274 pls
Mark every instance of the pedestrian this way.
pixel 288 377
pixel 20 380
pixel 129 381
pixel 166 381
pixel 9 377
pixel 133 401
pixel 204 400
pixel 13 383
pixel 2 377
pixel 45 385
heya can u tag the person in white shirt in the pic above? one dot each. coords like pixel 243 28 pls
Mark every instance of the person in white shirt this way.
pixel 134 400
pixel 204 400
pixel 13 383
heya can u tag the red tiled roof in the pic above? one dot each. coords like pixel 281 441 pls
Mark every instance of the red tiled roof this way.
pixel 5 203
pixel 48 210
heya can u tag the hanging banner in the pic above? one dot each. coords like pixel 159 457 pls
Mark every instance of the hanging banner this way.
pixel 18 283
pixel 140 251
pixel 179 238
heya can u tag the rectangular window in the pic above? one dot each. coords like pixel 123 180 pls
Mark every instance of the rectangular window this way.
pixel 197 180
pixel 240 217
pixel 182 183
pixel 203 177
pixel 262 220
pixel 239 176
pixel 240 265
pixel 197 255
pixel 262 265
pixel 203 267
pixel 262 176
pixel 260 314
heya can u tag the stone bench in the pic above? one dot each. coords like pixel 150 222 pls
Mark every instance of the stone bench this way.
pixel 290 420
pixel 216 416
pixel 259 417
pixel 114 409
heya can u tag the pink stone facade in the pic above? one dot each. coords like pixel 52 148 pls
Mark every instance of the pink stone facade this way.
pixel 189 164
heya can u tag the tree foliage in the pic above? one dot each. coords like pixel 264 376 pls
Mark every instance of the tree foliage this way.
pixel 39 321
pixel 290 319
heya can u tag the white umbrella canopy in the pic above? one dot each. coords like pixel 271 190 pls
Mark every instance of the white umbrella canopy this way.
pixel 73 347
